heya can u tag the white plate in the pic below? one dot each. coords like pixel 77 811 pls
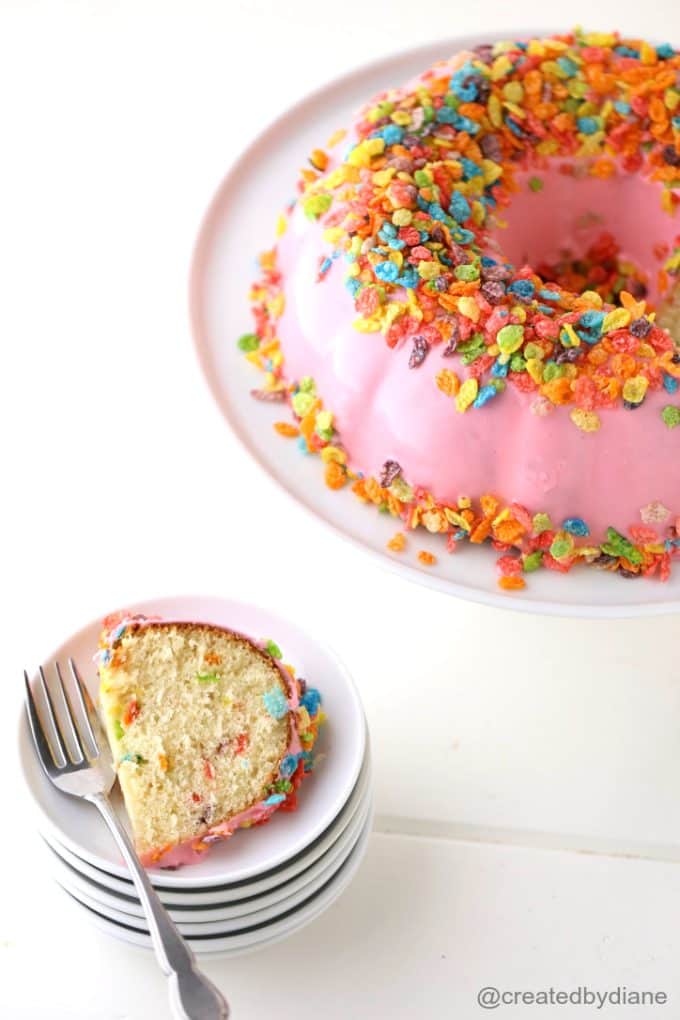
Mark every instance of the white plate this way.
pixel 125 912
pixel 129 904
pixel 239 224
pixel 230 901
pixel 248 853
pixel 266 935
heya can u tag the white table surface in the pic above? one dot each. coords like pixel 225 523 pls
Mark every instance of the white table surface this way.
pixel 527 780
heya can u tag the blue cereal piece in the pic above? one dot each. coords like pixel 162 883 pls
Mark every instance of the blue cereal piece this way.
pixel 576 526
pixel 387 271
pixel 459 207
pixel 485 395
pixel 311 700
pixel 288 765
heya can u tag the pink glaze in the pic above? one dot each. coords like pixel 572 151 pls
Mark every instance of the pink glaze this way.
pixel 385 410
pixel 569 214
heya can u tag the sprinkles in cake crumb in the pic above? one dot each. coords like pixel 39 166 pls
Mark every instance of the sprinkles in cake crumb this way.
pixel 413 211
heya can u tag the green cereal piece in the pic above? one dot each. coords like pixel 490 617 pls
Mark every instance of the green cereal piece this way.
pixel 562 546
pixel 467 272
pixel 316 205
pixel 510 338
pixel 248 342
pixel 532 561
pixel 541 523
pixel 671 416
pixel 273 649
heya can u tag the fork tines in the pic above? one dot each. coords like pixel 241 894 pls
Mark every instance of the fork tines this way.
pixel 63 735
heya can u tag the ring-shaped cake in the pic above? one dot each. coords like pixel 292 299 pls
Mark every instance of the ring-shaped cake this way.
pixel 471 306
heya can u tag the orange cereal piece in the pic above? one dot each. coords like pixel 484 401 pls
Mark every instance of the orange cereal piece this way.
pixel 511 583
pixel 481 531
pixel 426 558
pixel 284 428
pixel 490 505
pixel 509 531
pixel 397 542
pixel 558 391
pixel 335 475
pixel 318 159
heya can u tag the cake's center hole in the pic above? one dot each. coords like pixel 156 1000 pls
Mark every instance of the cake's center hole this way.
pixel 591 234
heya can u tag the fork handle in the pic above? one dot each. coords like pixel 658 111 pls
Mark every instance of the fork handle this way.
pixel 192 995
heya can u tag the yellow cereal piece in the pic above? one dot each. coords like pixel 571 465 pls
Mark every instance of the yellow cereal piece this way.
pixel 536 48
pixel 383 177
pixel 648 54
pixel 336 137
pixel 371 324
pixel 586 421
pixel 429 270
pixel 671 99
pixel 599 39
pixel 513 91
pixel 495 110
pixel 362 154
pixel 500 67
pixel 402 217
pixel 468 306
pixel 467 394
pixel 634 389
pixel 333 453
pixel 617 319
pixel 453 517
pixel 333 235
pixel 491 171
pixel 574 339
pixel 535 369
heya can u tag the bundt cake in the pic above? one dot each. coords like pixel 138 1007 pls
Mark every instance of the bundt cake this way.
pixel 472 307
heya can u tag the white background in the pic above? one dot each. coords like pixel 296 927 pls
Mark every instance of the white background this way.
pixel 505 744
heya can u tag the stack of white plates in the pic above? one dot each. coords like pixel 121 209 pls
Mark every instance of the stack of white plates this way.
pixel 262 884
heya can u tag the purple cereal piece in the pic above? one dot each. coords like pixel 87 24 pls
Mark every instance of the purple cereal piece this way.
pixel 640 327
pixel 420 351
pixel 390 470
pixel 493 291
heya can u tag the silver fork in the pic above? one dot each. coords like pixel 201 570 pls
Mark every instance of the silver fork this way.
pixel 76 757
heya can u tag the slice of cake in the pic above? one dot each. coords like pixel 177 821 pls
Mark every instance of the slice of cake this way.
pixel 208 732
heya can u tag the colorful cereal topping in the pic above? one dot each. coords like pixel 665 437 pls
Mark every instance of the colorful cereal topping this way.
pixel 410 206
